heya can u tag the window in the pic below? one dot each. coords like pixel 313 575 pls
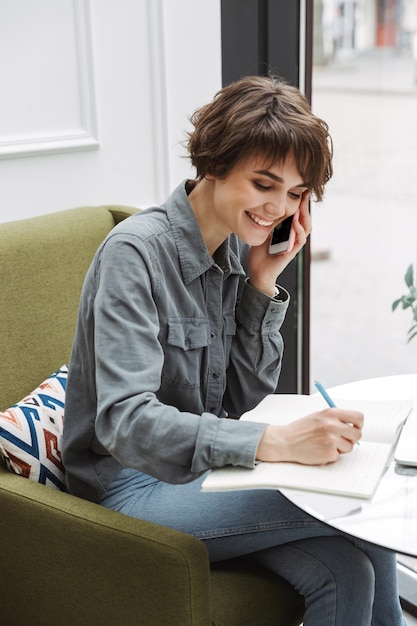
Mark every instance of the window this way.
pixel 365 233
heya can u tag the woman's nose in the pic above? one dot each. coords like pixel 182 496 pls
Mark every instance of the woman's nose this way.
pixel 277 208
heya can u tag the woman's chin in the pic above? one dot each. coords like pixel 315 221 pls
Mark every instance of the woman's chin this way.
pixel 254 241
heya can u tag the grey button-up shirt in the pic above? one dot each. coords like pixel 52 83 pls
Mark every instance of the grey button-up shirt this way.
pixel 169 341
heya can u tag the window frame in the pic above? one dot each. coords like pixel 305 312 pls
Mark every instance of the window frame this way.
pixel 277 35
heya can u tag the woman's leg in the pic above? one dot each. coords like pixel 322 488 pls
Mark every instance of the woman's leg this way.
pixel 384 563
pixel 347 568
pixel 336 577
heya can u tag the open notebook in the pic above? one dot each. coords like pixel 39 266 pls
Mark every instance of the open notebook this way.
pixel 355 474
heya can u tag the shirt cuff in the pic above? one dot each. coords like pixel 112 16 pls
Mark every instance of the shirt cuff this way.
pixel 258 312
pixel 236 443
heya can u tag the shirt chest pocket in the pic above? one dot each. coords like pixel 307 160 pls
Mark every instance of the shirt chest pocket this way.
pixel 188 333
pixel 185 353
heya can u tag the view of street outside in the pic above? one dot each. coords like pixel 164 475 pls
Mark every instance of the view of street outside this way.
pixel 365 232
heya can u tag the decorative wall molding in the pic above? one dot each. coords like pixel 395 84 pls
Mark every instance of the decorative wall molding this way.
pixel 76 137
pixel 159 99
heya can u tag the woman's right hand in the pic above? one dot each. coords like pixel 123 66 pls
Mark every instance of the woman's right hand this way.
pixel 316 439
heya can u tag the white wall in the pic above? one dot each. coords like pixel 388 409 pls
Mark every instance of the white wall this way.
pixel 98 97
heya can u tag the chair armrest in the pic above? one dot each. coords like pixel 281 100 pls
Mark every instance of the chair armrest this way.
pixel 65 556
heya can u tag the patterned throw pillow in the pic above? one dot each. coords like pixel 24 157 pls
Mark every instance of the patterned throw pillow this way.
pixel 30 433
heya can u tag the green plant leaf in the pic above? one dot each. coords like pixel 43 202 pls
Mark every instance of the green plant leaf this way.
pixel 409 301
pixel 409 278
pixel 414 334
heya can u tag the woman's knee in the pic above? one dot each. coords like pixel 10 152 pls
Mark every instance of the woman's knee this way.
pixel 350 566
pixel 332 563
pixel 335 577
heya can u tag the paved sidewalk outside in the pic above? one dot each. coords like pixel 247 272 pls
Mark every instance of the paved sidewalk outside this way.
pixel 367 224
pixel 380 69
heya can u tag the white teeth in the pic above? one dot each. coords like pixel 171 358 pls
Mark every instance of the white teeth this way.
pixel 257 220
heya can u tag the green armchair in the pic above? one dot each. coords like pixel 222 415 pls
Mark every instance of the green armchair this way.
pixel 66 561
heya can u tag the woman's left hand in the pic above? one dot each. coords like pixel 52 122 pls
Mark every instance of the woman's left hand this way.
pixel 264 268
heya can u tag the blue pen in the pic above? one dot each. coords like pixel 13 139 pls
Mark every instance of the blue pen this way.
pixel 328 399
pixel 324 394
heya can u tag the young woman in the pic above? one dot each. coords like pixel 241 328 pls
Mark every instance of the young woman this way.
pixel 178 331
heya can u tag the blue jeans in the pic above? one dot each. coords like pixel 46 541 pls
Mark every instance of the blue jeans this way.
pixel 345 581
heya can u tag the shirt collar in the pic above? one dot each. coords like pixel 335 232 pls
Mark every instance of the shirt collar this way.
pixel 194 257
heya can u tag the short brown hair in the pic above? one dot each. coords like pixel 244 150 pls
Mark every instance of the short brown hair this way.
pixel 260 116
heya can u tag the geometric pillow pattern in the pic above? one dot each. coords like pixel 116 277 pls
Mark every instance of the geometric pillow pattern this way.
pixel 31 430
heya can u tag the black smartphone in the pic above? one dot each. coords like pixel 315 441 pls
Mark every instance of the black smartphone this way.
pixel 283 237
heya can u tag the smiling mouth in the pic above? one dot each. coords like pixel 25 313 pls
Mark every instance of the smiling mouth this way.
pixel 259 221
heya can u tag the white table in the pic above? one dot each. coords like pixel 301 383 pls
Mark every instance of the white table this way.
pixel 390 518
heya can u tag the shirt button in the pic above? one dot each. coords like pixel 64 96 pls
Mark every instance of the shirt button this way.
pixel 215 375
pixel 213 334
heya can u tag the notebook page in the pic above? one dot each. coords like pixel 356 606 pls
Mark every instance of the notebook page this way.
pixel 355 474
pixel 383 418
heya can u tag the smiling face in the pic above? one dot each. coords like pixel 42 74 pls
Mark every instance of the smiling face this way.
pixel 254 197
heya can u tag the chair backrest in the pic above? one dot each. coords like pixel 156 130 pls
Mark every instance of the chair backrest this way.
pixel 43 262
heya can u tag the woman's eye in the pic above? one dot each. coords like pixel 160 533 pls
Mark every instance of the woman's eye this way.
pixel 295 195
pixel 262 187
